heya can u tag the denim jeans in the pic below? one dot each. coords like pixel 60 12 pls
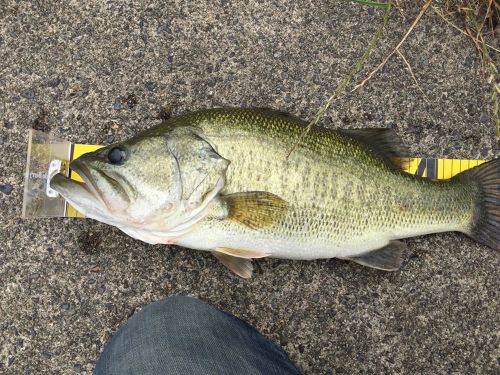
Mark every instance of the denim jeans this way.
pixel 183 335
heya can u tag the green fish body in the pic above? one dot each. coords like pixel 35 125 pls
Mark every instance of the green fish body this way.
pixel 326 193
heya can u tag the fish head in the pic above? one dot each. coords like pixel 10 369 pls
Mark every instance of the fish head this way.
pixel 154 182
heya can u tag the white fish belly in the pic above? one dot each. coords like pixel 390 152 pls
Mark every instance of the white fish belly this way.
pixel 300 248
pixel 276 247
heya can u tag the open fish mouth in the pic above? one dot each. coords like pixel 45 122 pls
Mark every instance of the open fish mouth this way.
pixel 113 191
pixel 79 194
pixel 88 182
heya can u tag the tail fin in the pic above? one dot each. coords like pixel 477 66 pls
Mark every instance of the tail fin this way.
pixel 486 219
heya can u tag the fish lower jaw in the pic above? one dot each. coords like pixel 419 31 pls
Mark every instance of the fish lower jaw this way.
pixel 90 213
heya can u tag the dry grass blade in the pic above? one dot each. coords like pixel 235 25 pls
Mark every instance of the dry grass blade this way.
pixel 348 79
pixel 440 14
pixel 372 3
pixel 486 16
pixel 474 25
pixel 382 64
pixel 412 75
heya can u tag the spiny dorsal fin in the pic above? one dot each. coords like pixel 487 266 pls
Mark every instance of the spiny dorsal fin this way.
pixel 255 209
pixel 384 141
pixel 387 258
pixel 240 266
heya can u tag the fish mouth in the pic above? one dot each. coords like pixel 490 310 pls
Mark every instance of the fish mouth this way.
pixel 76 192
pixel 88 183
pixel 97 181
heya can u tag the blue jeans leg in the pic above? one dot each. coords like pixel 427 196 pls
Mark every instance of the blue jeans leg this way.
pixel 183 335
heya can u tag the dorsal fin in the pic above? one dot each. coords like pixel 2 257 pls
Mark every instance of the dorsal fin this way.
pixel 383 141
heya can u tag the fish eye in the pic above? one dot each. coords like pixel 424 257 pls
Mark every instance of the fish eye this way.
pixel 116 155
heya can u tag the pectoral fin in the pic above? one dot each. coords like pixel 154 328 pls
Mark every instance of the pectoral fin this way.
pixel 240 266
pixel 255 209
pixel 387 258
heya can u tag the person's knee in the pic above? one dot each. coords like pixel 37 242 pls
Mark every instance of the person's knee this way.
pixel 177 307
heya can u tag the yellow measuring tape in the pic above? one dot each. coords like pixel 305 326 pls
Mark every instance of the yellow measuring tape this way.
pixel 440 169
pixel 437 169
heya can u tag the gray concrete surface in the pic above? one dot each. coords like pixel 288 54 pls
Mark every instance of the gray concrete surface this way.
pixel 97 71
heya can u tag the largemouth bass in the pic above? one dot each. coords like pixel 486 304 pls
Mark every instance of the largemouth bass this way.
pixel 240 184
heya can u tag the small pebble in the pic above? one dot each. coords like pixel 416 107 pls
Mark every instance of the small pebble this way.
pixel 484 118
pixel 6 189
pixel 469 62
pixel 65 306
pixel 315 297
pixel 283 341
pixel 46 355
pixel 211 82
pixel 470 109
pixel 117 105
pixel 131 101
pixel 34 276
pixel 101 289
pixel 150 85
pixel 85 91
pixel 77 367
pixel 54 82
pixel 28 94
pixel 110 138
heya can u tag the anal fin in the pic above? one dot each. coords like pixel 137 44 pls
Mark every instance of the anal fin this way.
pixel 241 266
pixel 387 258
